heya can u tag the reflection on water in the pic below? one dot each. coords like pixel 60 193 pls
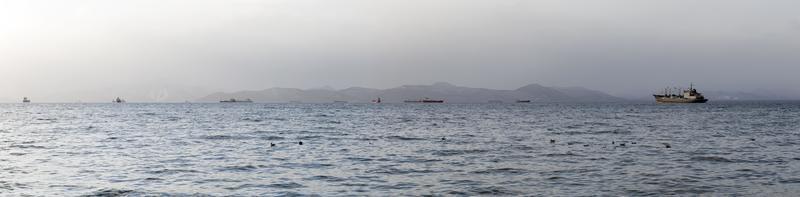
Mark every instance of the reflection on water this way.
pixel 412 149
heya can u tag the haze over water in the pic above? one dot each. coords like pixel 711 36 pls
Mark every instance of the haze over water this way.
pixel 589 69
pixel 404 149
pixel 95 50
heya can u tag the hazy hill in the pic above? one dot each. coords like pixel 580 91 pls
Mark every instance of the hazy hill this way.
pixel 449 92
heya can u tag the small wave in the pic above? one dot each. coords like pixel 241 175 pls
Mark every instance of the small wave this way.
pixel 396 171
pixel 601 124
pixel 418 160
pixel 325 128
pixel 712 159
pixel 239 168
pixel 406 120
pixel 153 179
pixel 218 181
pixel 172 171
pixel 272 138
pixel 567 154
pixel 252 119
pixel 493 191
pixel 395 137
pixel 358 159
pixel 399 186
pixel 333 122
pixel 555 178
pixel 462 182
pixel 128 192
pixel 290 185
pixel 309 137
pixel 11 186
pixel 456 193
pixel 224 137
pixel 523 147
pixel 790 180
pixel 112 192
pixel 26 146
pixel 512 171
pixel 458 152
pixel 613 131
pixel 311 165
pixel 325 178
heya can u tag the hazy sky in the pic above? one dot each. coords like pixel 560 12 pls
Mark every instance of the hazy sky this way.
pixel 51 47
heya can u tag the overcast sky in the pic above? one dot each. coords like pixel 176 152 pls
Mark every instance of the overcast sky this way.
pixel 51 47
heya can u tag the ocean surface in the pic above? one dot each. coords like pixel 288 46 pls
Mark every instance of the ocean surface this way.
pixel 632 149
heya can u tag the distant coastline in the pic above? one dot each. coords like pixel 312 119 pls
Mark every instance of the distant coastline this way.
pixel 444 91
pixel 447 92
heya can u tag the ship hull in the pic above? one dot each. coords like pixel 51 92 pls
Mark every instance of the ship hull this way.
pixel 679 100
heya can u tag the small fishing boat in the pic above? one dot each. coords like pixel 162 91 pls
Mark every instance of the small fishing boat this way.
pixel 26 100
pixel 233 100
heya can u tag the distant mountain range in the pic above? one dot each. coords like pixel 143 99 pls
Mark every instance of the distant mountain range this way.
pixel 445 91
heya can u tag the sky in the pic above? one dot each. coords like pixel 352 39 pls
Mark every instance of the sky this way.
pixel 63 49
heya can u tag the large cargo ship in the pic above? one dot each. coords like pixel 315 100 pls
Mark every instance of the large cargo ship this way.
pixel 687 96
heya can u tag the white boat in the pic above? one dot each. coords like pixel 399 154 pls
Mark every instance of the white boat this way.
pixel 26 100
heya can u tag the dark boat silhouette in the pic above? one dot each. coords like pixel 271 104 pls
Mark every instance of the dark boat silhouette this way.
pixel 233 100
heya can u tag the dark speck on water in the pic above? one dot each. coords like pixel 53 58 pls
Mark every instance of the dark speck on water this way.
pixel 196 149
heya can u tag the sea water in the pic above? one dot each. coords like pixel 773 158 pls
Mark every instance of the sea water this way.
pixel 747 148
